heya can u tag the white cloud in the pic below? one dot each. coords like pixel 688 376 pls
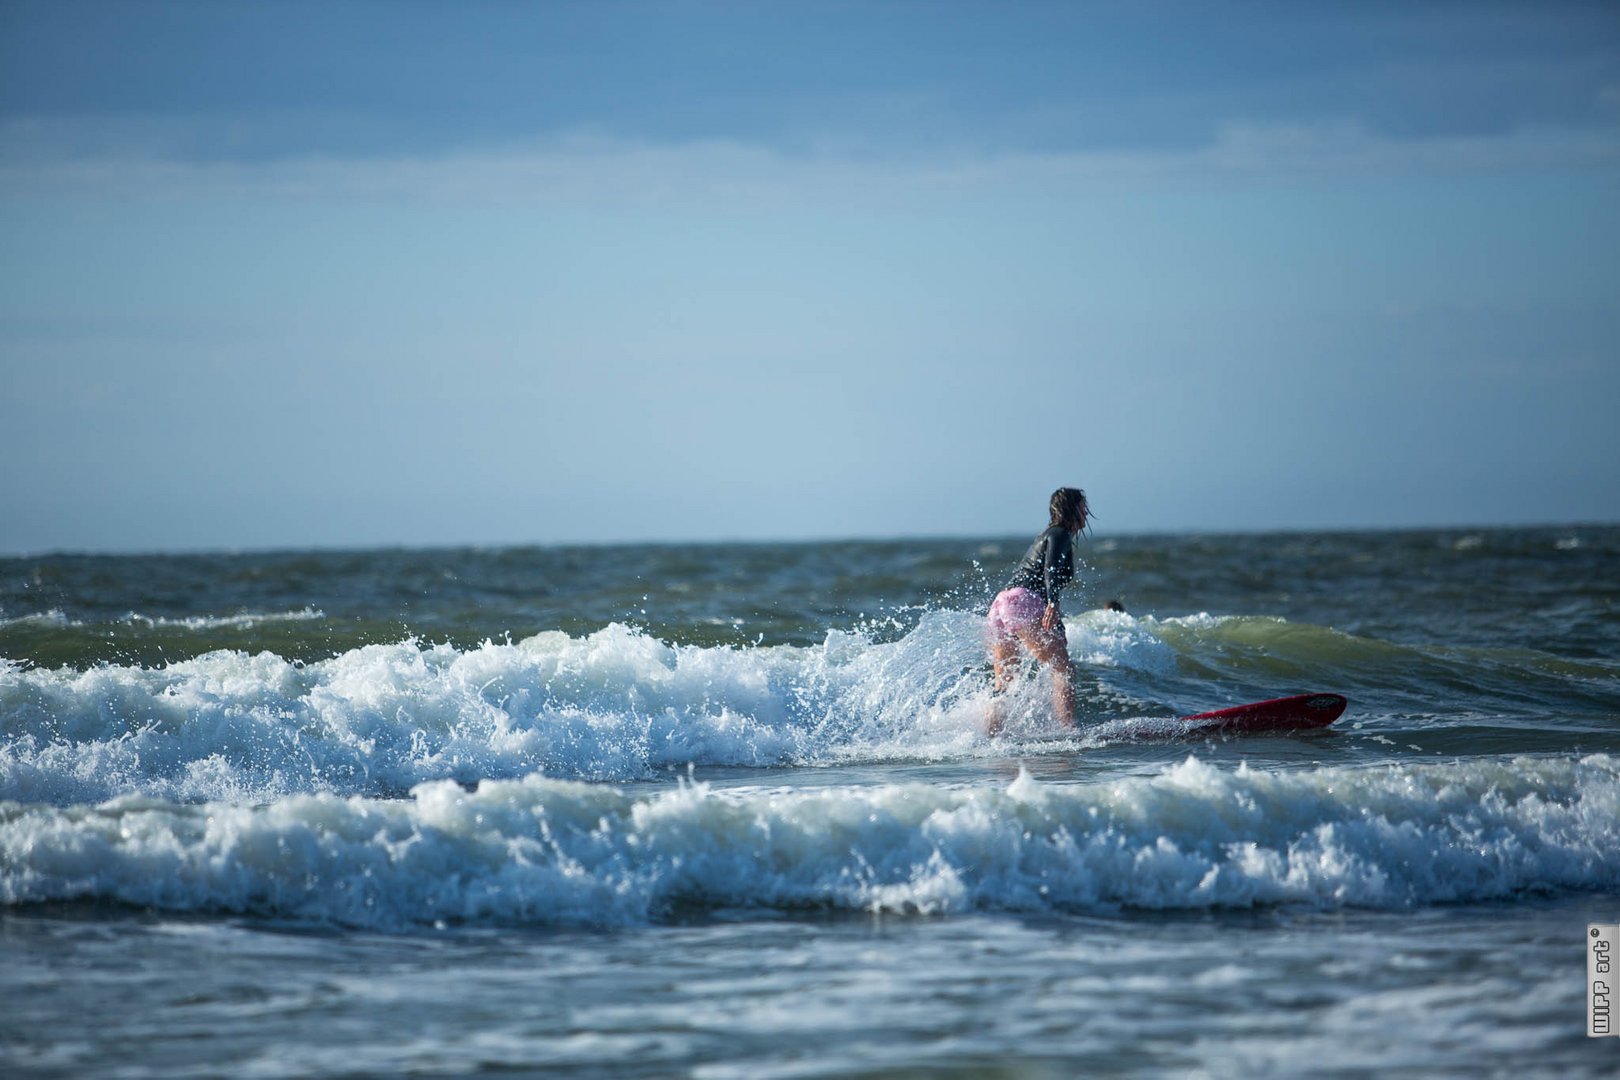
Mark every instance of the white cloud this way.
pixel 138 160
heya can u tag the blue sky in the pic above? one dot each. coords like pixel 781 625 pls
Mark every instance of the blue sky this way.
pixel 279 274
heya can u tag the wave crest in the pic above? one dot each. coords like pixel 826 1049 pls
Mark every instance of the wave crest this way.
pixel 540 851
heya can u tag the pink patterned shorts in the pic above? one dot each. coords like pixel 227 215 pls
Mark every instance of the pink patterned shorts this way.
pixel 1016 611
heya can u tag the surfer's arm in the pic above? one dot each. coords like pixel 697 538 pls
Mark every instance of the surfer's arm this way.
pixel 1058 568
pixel 1050 616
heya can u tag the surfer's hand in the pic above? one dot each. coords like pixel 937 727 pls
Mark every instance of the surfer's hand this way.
pixel 1049 617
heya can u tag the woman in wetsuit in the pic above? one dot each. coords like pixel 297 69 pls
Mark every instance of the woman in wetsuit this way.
pixel 1027 611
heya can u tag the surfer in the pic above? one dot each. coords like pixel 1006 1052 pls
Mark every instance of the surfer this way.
pixel 1026 611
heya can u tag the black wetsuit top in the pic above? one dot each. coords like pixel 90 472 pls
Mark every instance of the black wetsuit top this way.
pixel 1048 564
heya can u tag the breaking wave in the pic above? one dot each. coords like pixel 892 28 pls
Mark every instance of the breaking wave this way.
pixel 548 852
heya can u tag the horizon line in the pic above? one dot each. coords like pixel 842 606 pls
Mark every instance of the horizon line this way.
pixel 799 541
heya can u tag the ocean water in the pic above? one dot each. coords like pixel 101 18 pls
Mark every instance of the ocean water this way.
pixel 730 811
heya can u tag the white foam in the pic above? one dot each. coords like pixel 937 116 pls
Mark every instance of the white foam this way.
pixel 614 705
pixel 243 621
pixel 379 719
pixel 560 853
pixel 54 617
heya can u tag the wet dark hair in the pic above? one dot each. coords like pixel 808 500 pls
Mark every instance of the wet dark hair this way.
pixel 1069 506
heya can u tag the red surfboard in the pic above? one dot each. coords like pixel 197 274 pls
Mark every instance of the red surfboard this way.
pixel 1297 713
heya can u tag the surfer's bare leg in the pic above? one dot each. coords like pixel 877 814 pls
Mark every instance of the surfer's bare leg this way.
pixel 1004 658
pixel 1052 649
